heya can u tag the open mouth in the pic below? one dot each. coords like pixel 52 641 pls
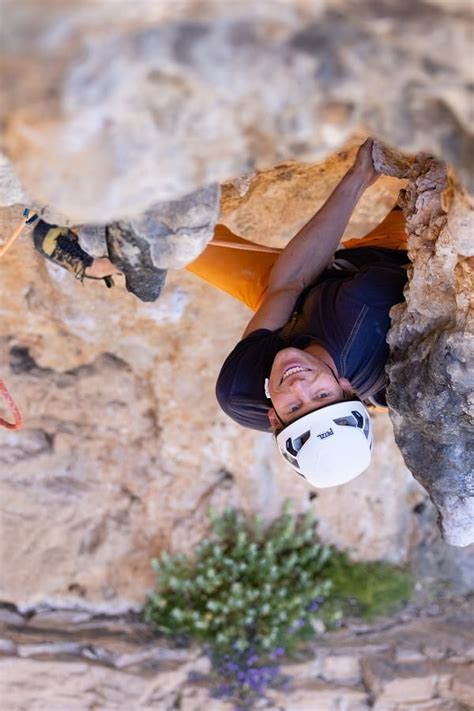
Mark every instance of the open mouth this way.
pixel 292 370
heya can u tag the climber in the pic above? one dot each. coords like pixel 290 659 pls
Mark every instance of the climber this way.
pixel 315 347
pixel 314 351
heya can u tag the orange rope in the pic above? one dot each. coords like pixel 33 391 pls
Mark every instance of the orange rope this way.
pixel 13 237
pixel 27 219
pixel 15 411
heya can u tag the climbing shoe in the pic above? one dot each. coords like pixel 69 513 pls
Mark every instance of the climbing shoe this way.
pixel 61 246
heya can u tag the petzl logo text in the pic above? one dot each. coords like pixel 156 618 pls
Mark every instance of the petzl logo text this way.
pixel 323 435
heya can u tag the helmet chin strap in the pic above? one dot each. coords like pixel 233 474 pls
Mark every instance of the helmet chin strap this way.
pixel 279 418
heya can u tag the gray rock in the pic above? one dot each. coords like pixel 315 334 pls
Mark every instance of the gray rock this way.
pixel 431 366
pixel 170 235
pixel 132 255
pixel 178 231
pixel 92 240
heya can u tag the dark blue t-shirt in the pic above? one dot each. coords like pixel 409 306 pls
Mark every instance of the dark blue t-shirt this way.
pixel 346 311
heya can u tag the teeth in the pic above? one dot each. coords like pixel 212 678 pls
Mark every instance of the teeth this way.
pixel 292 371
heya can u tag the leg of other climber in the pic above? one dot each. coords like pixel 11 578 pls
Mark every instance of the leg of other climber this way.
pixel 242 274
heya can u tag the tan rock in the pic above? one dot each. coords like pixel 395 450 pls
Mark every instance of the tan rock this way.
pixel 399 683
pixel 194 698
pixel 51 686
pixel 463 686
pixel 342 669
pixel 407 655
pixel 279 201
pixel 322 698
pixel 431 705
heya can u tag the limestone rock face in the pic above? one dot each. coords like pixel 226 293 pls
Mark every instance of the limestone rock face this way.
pixel 110 108
pixel 129 115
pixel 124 447
pixel 432 345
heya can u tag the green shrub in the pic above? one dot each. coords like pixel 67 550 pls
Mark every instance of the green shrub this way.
pixel 248 586
pixel 252 593
pixel 251 585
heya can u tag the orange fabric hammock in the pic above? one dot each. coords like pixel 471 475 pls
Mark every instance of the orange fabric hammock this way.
pixel 18 420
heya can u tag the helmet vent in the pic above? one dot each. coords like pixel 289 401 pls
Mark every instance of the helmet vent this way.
pixel 292 460
pixel 367 427
pixel 294 445
pixel 349 421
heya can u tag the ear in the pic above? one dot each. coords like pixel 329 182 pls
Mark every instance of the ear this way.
pixel 273 419
pixel 347 388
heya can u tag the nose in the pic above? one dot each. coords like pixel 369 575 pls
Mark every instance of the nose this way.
pixel 300 388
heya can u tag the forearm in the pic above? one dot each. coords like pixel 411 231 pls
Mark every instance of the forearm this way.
pixel 310 251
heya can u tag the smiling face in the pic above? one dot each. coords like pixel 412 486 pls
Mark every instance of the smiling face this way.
pixel 302 381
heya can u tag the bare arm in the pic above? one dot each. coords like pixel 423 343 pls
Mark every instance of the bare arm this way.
pixel 311 250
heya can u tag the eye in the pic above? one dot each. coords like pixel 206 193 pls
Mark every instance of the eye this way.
pixel 294 408
pixel 322 396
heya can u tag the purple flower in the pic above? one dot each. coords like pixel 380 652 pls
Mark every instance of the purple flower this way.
pixel 297 625
pixel 224 690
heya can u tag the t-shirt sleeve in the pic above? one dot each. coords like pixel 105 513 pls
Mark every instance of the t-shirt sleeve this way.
pixel 240 384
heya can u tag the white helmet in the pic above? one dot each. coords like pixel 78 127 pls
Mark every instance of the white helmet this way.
pixel 329 446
